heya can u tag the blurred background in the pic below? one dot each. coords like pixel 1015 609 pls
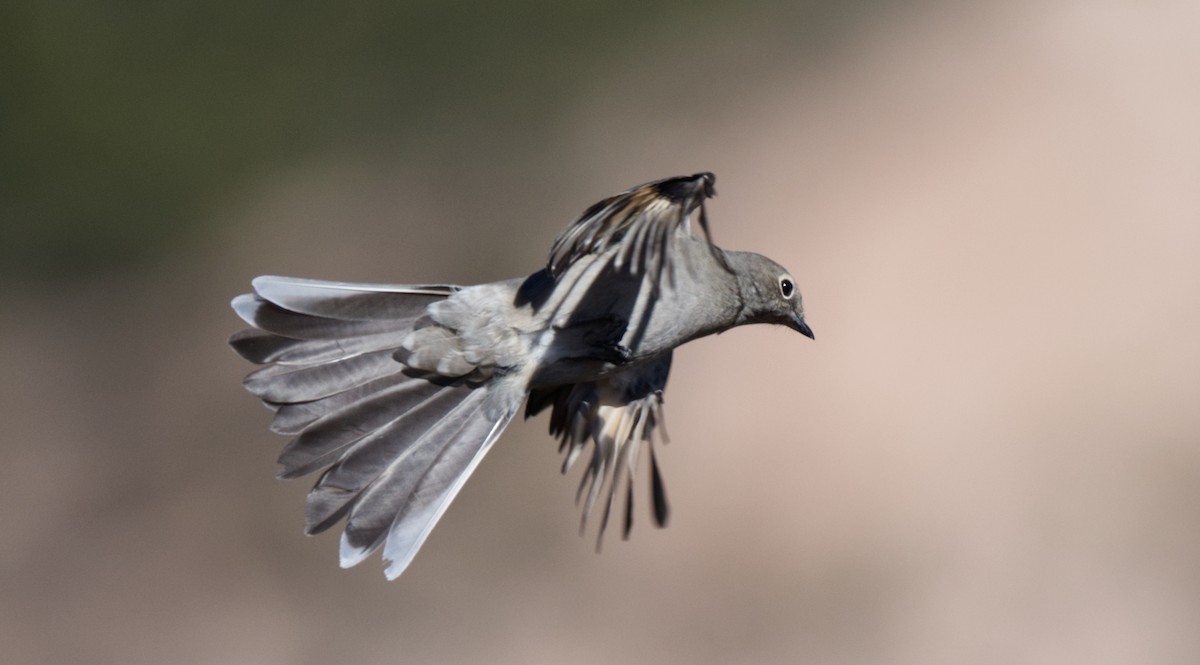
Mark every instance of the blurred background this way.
pixel 989 455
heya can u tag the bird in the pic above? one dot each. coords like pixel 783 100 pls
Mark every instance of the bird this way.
pixel 394 393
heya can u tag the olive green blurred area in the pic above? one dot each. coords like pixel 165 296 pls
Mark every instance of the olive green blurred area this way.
pixel 126 123
pixel 989 454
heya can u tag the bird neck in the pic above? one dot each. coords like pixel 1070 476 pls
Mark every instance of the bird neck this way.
pixel 746 289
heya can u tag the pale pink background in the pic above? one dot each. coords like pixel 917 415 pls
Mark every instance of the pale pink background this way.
pixel 991 453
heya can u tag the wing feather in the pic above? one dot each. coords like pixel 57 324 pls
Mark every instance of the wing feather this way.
pixel 642 222
pixel 619 415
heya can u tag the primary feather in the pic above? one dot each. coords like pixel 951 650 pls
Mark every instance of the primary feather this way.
pixel 641 223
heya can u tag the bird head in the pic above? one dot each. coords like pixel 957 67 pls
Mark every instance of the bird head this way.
pixel 768 292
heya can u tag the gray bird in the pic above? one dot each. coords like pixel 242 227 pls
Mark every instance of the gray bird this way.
pixel 397 392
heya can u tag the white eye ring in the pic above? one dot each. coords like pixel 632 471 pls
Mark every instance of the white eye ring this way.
pixel 786 286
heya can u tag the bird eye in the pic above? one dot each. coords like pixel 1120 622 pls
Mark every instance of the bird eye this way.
pixel 786 287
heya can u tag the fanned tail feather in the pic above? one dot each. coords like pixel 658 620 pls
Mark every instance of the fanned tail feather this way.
pixel 398 442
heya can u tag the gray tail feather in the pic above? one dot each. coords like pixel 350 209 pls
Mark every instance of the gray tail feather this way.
pixel 412 491
pixel 398 443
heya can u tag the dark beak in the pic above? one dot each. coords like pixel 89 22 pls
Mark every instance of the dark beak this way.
pixel 797 323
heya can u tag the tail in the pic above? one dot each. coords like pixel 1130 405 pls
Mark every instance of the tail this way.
pixel 398 442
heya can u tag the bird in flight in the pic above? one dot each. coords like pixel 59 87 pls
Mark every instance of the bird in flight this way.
pixel 395 392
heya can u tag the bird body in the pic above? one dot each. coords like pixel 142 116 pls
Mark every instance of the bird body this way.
pixel 398 391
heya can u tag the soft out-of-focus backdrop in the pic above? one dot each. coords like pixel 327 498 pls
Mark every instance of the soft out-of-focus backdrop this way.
pixel 991 454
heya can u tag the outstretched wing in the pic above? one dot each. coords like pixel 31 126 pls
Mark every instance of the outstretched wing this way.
pixel 642 222
pixel 618 414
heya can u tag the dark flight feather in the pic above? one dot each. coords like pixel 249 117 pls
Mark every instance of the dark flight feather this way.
pixel 641 222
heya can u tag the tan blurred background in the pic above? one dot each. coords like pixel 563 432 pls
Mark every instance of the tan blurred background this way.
pixel 989 455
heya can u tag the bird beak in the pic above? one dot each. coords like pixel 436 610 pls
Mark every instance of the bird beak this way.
pixel 797 323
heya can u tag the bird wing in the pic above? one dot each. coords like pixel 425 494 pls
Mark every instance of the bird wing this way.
pixel 617 413
pixel 642 222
